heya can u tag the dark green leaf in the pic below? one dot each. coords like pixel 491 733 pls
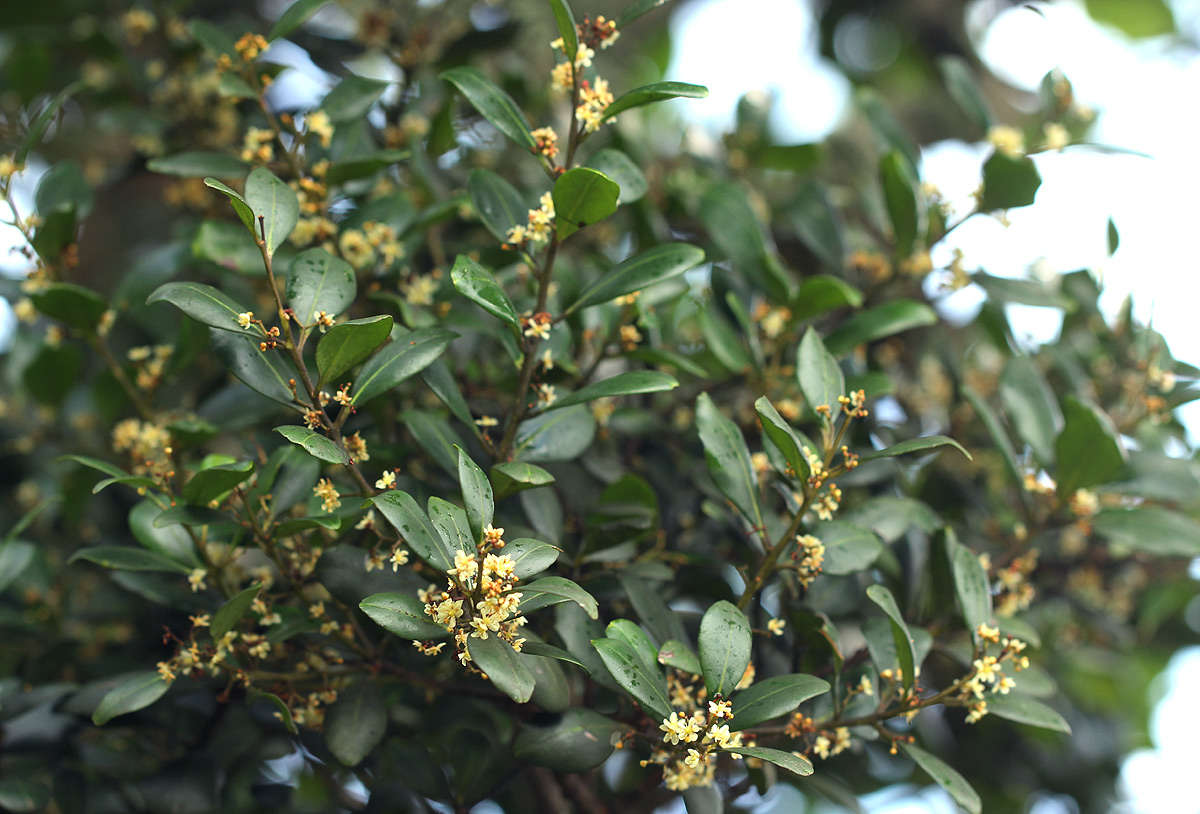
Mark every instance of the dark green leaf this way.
pixel 882 597
pixel 284 714
pixel 363 166
pixel 492 103
pixel 725 643
pixel 198 164
pixel 214 39
pixel 582 196
pixel 20 795
pixel 275 202
pixel 480 286
pixel 663 623
pixel 647 686
pixel 224 243
pixel 623 384
pixel 781 434
pixel 997 432
pixel 1088 450
pixel 724 341
pixel 135 691
pixel 1152 529
pixel 816 222
pixel 356 722
pixel 1008 181
pixel 205 304
pixel 900 195
pixel 351 98
pixel 552 590
pixel 498 203
pixel 970 583
pixel 403 512
pixel 565 20
pixel 530 556
pixel 628 631
pixel 728 459
pixel 879 322
pixel 784 760
pixel 506 668
pixel 52 373
pixel 264 371
pixel 960 83
pixel 318 281
pixel 127 558
pixel 477 495
pixel 232 611
pixel 618 166
pixel 947 778
pixel 560 435
pixel 1031 406
pixel 1026 710
pixel 294 17
pixel 549 651
pixel 403 615
pixel 820 377
pixel 348 343
pixel 406 354
pixel 678 655
pixel 1114 238
pixel 210 484
pixel 654 92
pixel 637 9
pixel 848 548
pixel 822 293
pixel 243 210
pixel 916 445
pixel 435 435
pixel 37 128
pixel 580 741
pixel 75 306
pixel 444 385
pixel 15 557
pixel 773 697
pixel 314 444
pixel 641 271
pixel 63 188
pixel 514 476
pixel 734 226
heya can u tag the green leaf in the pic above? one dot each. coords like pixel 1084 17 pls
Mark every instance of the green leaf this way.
pixel 654 92
pixel 492 103
pixel 582 196
pixel 848 548
pixel 403 512
pixel 285 714
pixel 127 558
pixel 900 195
pixel 205 304
pixel 232 86
pixel 198 164
pixel 781 434
pixel 724 341
pixel 970 583
pixel 479 286
pixel 953 782
pixel 497 202
pixel 623 384
pixel 403 615
pixel 243 210
pixel 530 556
pixel 553 590
pixel 676 654
pixel 822 293
pixel 275 202
pixel 444 385
pixel 20 795
pixel 734 226
pixel 1088 450
pixel 348 343
pixel 646 685
pixel 728 459
pixel 578 742
pixel 639 272
pixel 629 632
pixel 37 127
pixel 263 371
pixel 63 188
pixel 1152 529
pixel 882 597
pixel 356 722
pixel 725 644
pixel 1149 18
pixel 73 305
pixel 1026 710
pixel 314 444
pixel 663 623
pixel 820 377
pixel 890 134
pixel 135 691
pixel 294 17
pixel 209 484
pixel 784 760
pixel 565 20
pixel 363 166
pixel 960 84
pixel 434 434
pixel 816 222
pixel 1008 181
pixel 511 477
pixel 916 445
pixel 222 242
pixel 505 667
pixel 15 557
pixel 214 39
pixel 560 435
pixel 620 168
pixel 1114 238
pixel 111 470
pixel 549 651
pixel 996 430
pixel 772 697
pixel 352 98
pixel 1031 405
pixel 406 354
pixel 637 9
pixel 318 281
pixel 477 495
pixel 232 611
pixel 879 322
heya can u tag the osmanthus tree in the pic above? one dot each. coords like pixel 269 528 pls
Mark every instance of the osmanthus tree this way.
pixel 455 438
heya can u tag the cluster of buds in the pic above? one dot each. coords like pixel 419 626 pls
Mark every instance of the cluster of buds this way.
pixel 541 224
pixel 809 556
pixel 597 33
pixel 546 141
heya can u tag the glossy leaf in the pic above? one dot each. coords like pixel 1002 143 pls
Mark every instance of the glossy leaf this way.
pixel 363 166
pixel 530 556
pixel 970 583
pixel 1030 404
pixel 654 92
pixel 198 164
pixel 728 459
pixel 497 202
pixel 232 611
pixel 947 778
pixel 620 168
pixel 294 16
pixel 1026 710
pixel 128 558
pixel 960 83
pixel 314 444
pixel 916 445
pixel 628 631
pixel 403 615
pixel 243 210
pixel 648 687
pixel 135 691
pixel 264 371
pixel 879 322
pixel 408 353
pixel 73 305
pixel 675 653
pixel 477 495
pixel 638 272
pixel 274 202
pixel 725 643
pixel 1088 450
pixel 900 195
pixel 579 741
pixel 552 590
pixel 560 435
pixel 623 384
pixel 352 98
pixel 549 651
pixel 848 548
pixel 506 668
pixel 480 286
pixel 356 722
pixel 349 343
pixel 882 597
pixel 822 293
pixel 582 196
pixel 817 224
pixel 780 433
pixel 209 484
pixel 205 304
pixel 418 533
pixel 772 697
pixel 492 103
pixel 820 376
pixel 565 19
pixel 318 281
pixel 784 760
pixel 514 476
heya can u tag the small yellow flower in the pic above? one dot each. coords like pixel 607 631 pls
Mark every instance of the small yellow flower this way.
pixel 1007 140
pixel 196 579
pixel 328 494
pixel 386 480
pixel 319 125
pixel 776 626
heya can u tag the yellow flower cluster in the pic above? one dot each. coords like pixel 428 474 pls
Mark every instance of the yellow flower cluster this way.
pixel 1007 140
pixel 709 730
pixel 148 444
pixel 547 141
pixel 594 99
pixel 150 363
pixel 987 673
pixel 541 223
pixel 319 125
pixel 825 747
pixel 328 494
pixel 809 557
pixel 257 145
